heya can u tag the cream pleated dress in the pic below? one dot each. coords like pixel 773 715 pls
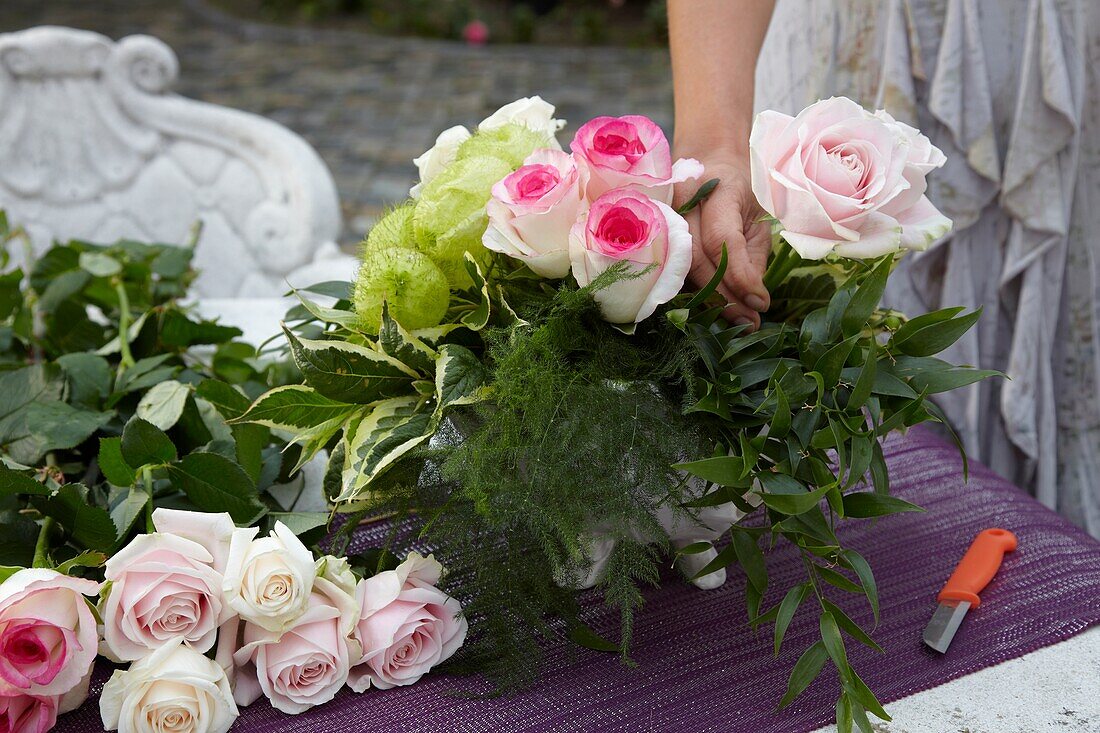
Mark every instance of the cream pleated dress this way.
pixel 1010 91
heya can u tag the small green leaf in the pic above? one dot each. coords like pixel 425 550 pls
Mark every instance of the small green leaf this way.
pixel 300 522
pixel 715 280
pixel 795 503
pixel 863 504
pixel 787 609
pixel 866 578
pixel 145 444
pixel 834 644
pixel 700 196
pixel 866 298
pixel 460 377
pixel 295 407
pixel 866 698
pixel 849 626
pixel 347 372
pixel 935 337
pixel 113 465
pixel 228 400
pixel 805 671
pixel 13 482
pixel 89 524
pixel 163 404
pixel 751 559
pixel 865 383
pixel 86 559
pixel 216 484
pixel 89 377
pixel 586 637
pixel 99 264
pixel 721 470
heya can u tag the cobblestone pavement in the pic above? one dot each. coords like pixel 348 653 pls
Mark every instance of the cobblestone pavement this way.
pixel 368 104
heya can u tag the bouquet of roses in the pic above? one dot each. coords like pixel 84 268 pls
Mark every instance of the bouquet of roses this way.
pixel 518 376
pixel 517 379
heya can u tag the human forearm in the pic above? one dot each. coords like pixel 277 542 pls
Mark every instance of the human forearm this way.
pixel 714 45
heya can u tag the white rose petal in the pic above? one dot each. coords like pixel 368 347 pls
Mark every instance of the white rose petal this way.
pixel 432 162
pixel 174 689
pixel 268 581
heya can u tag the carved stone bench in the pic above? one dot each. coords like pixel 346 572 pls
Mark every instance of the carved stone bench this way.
pixel 93 145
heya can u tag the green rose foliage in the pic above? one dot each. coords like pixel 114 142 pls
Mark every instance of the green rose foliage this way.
pixel 450 219
pixel 414 287
pixel 510 143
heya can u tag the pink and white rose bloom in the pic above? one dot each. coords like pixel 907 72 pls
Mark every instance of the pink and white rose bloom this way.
pixel 269 581
pixel 27 713
pixel 162 587
pixel 214 531
pixel 842 180
pixel 921 222
pixel 533 209
pixel 48 635
pixel 308 663
pixel 173 689
pixel 407 625
pixel 630 151
pixel 627 226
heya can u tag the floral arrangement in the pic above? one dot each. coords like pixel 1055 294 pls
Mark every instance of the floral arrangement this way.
pixel 518 379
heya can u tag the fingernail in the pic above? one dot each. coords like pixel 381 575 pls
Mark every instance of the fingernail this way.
pixel 755 302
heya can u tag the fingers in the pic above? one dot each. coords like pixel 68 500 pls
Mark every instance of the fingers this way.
pixel 722 221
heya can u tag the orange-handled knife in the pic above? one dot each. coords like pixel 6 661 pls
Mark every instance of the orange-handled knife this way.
pixel 960 593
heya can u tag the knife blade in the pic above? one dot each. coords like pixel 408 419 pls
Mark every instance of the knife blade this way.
pixel 960 593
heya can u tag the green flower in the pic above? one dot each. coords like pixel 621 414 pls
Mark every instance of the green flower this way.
pixel 394 229
pixel 408 281
pixel 511 143
pixel 450 215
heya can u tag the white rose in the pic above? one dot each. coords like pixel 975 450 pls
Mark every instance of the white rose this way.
pixel 533 112
pixel 337 571
pixel 173 690
pixel 213 531
pixel 439 156
pixel 268 581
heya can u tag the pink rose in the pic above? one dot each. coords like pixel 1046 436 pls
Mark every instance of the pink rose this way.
pixel 305 665
pixel 630 151
pixel 407 627
pixel 162 587
pixel 47 632
pixel 27 713
pixel 627 226
pixel 840 180
pixel 921 223
pixel 533 209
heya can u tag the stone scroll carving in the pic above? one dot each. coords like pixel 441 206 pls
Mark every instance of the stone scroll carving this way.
pixel 93 145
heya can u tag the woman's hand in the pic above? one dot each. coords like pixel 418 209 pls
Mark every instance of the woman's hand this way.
pixel 730 216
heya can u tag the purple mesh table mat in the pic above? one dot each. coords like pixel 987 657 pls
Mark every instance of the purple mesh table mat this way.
pixel 700 668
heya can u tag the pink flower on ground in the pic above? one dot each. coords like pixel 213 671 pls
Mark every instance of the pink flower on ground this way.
pixel 533 209
pixel 48 634
pixel 630 151
pixel 407 627
pixel 162 587
pixel 476 33
pixel 627 226
pixel 27 713
pixel 842 180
